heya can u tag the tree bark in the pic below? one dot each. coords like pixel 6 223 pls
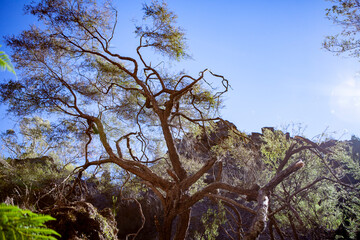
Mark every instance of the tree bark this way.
pixel 259 222
pixel 183 225
pixel 165 229
pixel 278 230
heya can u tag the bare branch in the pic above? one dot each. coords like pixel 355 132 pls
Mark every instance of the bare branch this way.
pixel 230 201
pixel 278 178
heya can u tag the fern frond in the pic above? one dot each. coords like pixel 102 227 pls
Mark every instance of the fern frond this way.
pixel 5 63
pixel 16 223
pixel 40 233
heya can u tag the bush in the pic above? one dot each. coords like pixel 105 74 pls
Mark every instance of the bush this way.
pixel 26 180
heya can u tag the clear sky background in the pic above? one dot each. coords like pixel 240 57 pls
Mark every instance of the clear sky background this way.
pixel 270 51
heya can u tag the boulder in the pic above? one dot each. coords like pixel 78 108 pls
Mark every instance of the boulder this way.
pixel 81 220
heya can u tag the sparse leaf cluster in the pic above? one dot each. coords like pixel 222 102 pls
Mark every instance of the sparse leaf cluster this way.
pixel 345 13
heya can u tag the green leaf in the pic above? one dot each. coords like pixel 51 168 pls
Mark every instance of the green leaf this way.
pixel 16 223
pixel 5 63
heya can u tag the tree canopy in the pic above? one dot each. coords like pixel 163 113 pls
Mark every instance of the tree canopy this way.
pixel 346 14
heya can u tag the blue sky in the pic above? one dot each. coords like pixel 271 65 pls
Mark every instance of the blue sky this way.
pixel 270 51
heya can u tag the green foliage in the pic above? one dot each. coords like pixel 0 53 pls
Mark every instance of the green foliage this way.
pixel 27 180
pixel 349 205
pixel 317 205
pixel 114 203
pixel 346 14
pixel 274 148
pixel 241 163
pixel 211 221
pixel 5 62
pixel 16 223
pixel 349 199
pixel 73 64
pixel 37 137
pixel 190 165
pixel 205 98
pixel 319 208
pixel 28 173
pixel 161 33
pixel 35 160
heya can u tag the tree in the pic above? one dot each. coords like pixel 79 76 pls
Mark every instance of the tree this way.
pixel 307 202
pixel 33 158
pixel 38 137
pixel 128 107
pixel 346 14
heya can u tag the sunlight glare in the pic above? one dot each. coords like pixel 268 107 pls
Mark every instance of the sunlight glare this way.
pixel 345 100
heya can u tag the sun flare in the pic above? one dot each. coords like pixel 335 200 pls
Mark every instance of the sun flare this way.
pixel 345 100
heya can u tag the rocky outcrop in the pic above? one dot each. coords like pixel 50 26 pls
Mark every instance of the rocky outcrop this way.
pixel 81 220
pixel 44 161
